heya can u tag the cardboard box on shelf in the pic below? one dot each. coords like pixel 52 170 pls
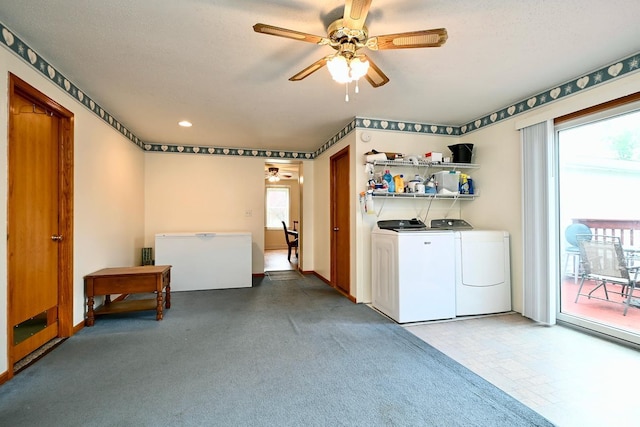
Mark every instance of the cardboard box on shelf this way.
pixel 433 157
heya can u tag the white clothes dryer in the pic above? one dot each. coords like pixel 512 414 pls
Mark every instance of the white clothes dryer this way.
pixel 483 272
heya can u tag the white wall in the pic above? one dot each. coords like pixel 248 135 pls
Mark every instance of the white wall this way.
pixel 361 223
pixel 408 144
pixel 108 191
pixel 308 208
pixel 498 183
pixel 498 205
pixel 191 192
pixel 499 152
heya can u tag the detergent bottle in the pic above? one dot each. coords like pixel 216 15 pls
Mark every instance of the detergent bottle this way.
pixel 390 184
pixel 398 181
pixel 463 185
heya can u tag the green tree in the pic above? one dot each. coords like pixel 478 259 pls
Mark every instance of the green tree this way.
pixel 625 144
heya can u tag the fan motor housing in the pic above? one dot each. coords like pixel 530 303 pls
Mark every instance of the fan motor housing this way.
pixel 338 33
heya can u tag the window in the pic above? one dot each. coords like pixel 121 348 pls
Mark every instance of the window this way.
pixel 277 206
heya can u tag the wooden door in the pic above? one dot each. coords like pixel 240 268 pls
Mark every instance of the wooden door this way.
pixel 340 221
pixel 39 227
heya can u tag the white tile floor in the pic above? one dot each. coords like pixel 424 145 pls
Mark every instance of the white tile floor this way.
pixel 571 378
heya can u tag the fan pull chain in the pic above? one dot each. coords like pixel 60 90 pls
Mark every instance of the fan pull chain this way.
pixel 357 89
pixel 346 92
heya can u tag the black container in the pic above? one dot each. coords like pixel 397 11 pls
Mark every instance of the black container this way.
pixel 461 152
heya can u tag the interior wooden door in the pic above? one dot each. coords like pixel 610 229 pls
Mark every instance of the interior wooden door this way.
pixel 340 221
pixel 39 229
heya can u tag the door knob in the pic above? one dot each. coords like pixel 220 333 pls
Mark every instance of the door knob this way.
pixel 336 229
pixel 56 237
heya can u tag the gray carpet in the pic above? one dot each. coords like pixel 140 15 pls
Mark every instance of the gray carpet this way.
pixel 283 275
pixel 283 353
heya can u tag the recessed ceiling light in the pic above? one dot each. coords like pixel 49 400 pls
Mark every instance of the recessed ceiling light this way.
pixel 185 124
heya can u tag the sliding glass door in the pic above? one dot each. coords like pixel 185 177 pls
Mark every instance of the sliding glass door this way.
pixel 598 194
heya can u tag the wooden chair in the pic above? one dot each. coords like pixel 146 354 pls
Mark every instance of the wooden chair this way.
pixel 291 238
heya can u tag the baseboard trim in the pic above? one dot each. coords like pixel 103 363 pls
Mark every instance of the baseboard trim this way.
pixel 321 277
pixel 78 327
pixel 328 282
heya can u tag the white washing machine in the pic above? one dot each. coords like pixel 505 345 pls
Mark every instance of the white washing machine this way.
pixel 413 274
pixel 483 272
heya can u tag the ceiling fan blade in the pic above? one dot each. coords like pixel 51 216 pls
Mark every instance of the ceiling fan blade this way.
pixel 355 13
pixel 290 34
pixel 414 39
pixel 309 70
pixel 374 75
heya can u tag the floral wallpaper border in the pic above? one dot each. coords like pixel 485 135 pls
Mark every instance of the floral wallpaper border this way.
pixel 31 57
pixel 605 74
pixel 620 68
pixel 628 65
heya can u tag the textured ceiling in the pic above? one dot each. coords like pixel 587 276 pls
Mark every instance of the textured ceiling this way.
pixel 153 63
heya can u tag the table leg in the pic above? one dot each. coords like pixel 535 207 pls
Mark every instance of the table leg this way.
pixel 159 306
pixel 167 302
pixel 90 316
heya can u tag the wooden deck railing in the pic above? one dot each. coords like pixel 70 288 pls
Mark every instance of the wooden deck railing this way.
pixel 628 230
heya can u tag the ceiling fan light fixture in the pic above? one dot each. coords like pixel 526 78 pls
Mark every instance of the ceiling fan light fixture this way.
pixel 358 67
pixel 339 69
pixel 345 70
pixel 349 34
pixel 273 175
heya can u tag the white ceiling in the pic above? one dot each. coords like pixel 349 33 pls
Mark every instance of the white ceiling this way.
pixel 153 63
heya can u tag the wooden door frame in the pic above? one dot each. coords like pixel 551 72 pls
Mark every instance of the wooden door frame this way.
pixel 332 203
pixel 18 86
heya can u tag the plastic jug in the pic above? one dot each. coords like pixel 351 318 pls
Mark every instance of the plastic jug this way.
pixel 417 179
pixel 398 181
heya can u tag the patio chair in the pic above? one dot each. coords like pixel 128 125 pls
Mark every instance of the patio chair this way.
pixel 602 260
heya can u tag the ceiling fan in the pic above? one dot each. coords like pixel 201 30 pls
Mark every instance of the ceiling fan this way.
pixel 350 34
pixel 273 174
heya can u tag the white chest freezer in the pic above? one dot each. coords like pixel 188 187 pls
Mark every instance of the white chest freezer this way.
pixel 206 260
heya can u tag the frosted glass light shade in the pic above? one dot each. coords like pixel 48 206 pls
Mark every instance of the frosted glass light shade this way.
pixel 339 69
pixel 358 68
pixel 343 70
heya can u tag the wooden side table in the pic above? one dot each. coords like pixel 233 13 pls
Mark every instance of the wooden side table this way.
pixel 128 280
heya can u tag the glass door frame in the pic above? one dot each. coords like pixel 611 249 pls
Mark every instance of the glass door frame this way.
pixel 591 115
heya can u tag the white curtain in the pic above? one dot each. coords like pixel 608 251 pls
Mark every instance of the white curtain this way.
pixel 539 229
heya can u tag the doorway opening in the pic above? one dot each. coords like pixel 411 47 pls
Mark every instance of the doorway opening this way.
pixel 282 233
